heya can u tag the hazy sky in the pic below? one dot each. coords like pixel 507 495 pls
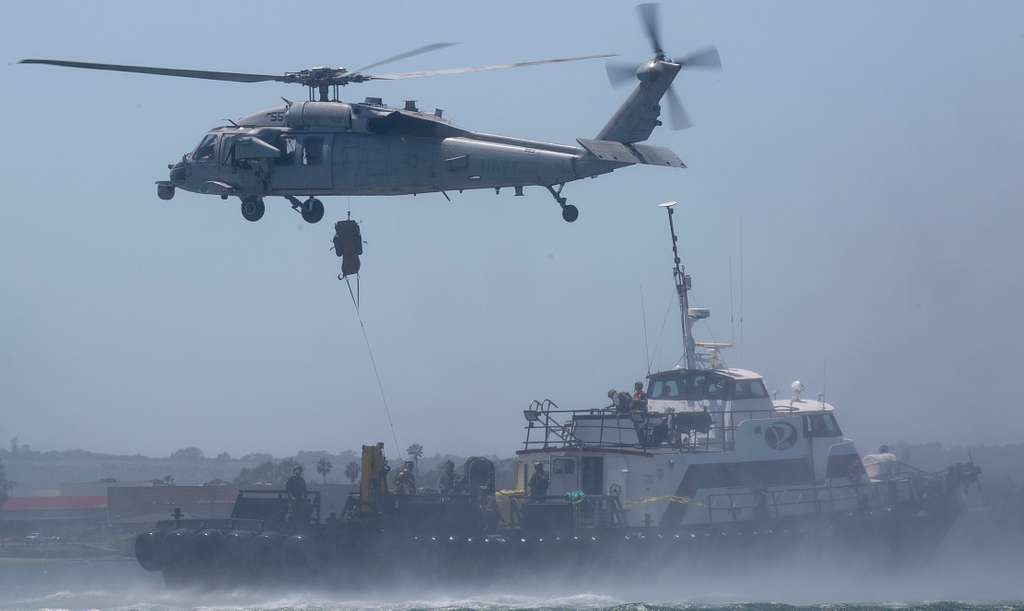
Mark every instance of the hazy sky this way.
pixel 872 152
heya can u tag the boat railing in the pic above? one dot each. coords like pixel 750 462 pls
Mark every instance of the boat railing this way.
pixel 568 511
pixel 705 430
pixel 866 495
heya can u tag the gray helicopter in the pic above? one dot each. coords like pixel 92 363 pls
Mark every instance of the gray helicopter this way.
pixel 302 151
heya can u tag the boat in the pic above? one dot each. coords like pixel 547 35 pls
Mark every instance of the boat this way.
pixel 704 464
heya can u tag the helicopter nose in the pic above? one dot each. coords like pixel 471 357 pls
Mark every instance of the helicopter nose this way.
pixel 178 173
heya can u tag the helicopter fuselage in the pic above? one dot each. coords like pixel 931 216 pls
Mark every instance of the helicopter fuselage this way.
pixel 309 149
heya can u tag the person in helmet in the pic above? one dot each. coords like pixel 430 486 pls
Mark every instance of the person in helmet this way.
pixel 622 403
pixel 639 397
pixel 405 481
pixel 539 481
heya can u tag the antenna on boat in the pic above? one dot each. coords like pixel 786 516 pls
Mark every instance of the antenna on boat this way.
pixel 643 317
pixel 682 282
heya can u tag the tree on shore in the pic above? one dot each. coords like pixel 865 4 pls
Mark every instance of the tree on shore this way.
pixel 415 452
pixel 352 472
pixel 323 467
pixel 267 473
pixel 5 486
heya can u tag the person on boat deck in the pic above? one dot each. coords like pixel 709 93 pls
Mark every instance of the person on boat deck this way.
pixel 639 397
pixel 446 483
pixel 538 483
pixel 621 401
pixel 405 482
pixel 296 489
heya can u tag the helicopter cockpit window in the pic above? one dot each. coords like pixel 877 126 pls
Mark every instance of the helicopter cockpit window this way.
pixel 207 149
pixel 313 151
pixel 228 150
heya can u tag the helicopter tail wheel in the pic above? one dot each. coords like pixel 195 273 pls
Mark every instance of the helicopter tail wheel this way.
pixel 312 210
pixel 253 208
pixel 570 213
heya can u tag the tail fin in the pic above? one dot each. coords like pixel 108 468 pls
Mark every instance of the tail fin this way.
pixel 636 119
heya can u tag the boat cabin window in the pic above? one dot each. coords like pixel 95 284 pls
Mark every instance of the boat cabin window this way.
pixel 313 151
pixel 207 149
pixel 685 385
pixel 821 425
pixel 664 389
pixel 749 389
pixel 563 466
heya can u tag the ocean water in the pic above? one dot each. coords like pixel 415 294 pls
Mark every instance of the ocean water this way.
pixel 121 584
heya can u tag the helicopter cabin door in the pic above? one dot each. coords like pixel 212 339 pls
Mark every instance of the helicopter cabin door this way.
pixel 305 162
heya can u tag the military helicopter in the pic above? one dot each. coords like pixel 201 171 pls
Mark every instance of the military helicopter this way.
pixel 302 151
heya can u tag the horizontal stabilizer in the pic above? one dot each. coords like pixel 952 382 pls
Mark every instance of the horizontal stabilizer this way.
pixel 608 150
pixel 658 155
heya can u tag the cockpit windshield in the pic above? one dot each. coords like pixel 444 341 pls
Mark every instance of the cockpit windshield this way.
pixel 207 148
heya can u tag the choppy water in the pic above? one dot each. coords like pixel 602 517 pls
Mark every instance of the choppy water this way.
pixel 115 584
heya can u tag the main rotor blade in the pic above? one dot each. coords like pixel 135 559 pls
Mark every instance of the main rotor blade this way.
pixel 236 77
pixel 651 22
pixel 677 116
pixel 423 73
pixel 620 73
pixel 416 51
pixel 706 58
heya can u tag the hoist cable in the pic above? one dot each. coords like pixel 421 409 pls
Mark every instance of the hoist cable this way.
pixel 376 372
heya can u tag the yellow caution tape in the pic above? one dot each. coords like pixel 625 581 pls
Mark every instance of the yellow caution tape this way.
pixel 683 500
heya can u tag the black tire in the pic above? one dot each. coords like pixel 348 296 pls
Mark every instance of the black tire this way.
pixel 570 213
pixel 165 192
pixel 253 209
pixel 312 210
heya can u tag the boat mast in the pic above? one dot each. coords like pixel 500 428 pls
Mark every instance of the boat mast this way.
pixel 682 281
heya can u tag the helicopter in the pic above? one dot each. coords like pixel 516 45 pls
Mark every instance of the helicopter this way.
pixel 305 150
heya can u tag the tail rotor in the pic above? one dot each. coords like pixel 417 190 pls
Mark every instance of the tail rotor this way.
pixel 621 73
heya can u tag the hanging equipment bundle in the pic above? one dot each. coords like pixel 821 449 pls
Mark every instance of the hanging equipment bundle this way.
pixel 348 244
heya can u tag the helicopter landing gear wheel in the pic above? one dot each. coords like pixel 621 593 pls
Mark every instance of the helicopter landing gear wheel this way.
pixel 570 213
pixel 253 208
pixel 312 210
